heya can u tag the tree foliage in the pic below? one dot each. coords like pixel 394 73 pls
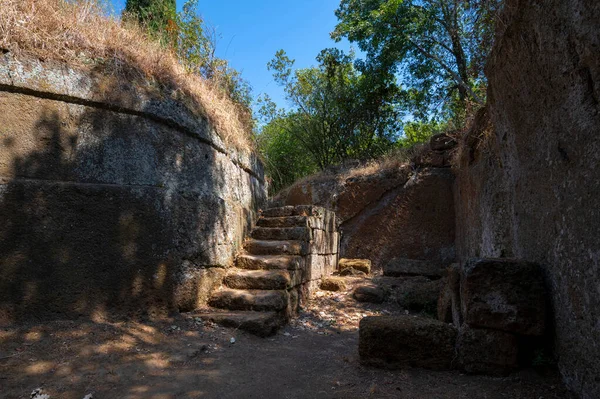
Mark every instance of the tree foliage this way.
pixel 158 16
pixel 196 45
pixel 285 156
pixel 337 112
pixel 191 39
pixel 438 47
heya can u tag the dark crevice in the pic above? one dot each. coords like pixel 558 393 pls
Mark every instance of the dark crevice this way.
pixel 9 180
pixel 589 81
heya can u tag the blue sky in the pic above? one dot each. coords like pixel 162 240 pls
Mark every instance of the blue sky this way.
pixel 252 31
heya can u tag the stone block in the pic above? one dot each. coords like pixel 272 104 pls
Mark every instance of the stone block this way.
pixel 483 351
pixel 401 341
pixel 194 286
pixel 421 297
pixel 323 243
pixel 259 300
pixel 364 265
pixel 442 142
pixel 400 267
pixel 282 233
pixel 332 284
pixel 504 294
pixel 268 247
pixel 369 293
pixel 318 266
pixel 278 212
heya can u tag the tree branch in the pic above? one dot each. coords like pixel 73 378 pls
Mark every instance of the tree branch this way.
pixel 455 76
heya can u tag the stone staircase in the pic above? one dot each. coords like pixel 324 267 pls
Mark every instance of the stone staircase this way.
pixel 290 249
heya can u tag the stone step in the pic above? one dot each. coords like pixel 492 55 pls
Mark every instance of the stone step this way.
pixel 267 247
pixel 269 262
pixel 402 267
pixel 298 210
pixel 262 324
pixel 259 300
pixel 284 221
pixel 281 233
pixel 278 212
pixel 258 279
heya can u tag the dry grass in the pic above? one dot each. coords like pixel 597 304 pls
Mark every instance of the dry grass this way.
pixel 80 32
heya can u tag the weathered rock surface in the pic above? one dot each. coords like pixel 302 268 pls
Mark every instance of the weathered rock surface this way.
pixel 281 233
pixel 267 247
pixel 194 286
pixel 259 300
pixel 401 341
pixel 386 213
pixel 261 279
pixel 530 189
pixel 442 142
pixel 113 198
pixel 363 265
pixel 269 262
pixel 263 324
pixel 505 295
pixel 449 302
pixel 421 296
pixel 369 293
pixel 401 267
pixel 483 351
pixel 332 284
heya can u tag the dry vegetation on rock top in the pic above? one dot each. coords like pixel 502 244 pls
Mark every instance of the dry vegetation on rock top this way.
pixel 83 36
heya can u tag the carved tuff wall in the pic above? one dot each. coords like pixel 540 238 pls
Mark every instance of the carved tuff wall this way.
pixel 531 190
pixel 114 196
pixel 386 214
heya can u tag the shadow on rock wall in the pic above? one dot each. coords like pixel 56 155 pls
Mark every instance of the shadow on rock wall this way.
pixel 107 212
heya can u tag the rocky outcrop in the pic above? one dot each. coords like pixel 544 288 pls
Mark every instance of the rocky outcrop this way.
pixel 387 213
pixel 115 196
pixel 527 181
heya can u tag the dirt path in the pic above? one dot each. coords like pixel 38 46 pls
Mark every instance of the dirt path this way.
pixel 315 357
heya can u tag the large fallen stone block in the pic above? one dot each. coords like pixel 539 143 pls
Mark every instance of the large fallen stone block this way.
pixel 363 265
pixel 332 284
pixel 483 351
pixel 369 293
pixel 422 296
pixel 401 341
pixel 504 294
pixel 402 267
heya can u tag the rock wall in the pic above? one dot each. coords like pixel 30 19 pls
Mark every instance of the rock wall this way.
pixel 529 186
pixel 115 196
pixel 397 212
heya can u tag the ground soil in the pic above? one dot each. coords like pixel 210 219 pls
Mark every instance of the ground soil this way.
pixel 182 357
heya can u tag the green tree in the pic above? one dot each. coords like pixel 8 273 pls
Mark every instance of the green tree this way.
pixel 437 46
pixel 157 16
pixel 196 46
pixel 285 157
pixel 337 112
